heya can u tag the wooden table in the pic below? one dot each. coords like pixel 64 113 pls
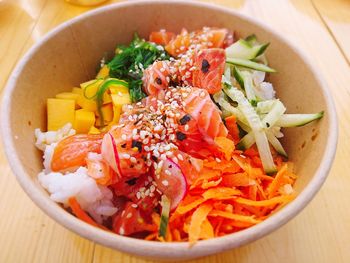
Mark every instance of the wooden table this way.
pixel 321 233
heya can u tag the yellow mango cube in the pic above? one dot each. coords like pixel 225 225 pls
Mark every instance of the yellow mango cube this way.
pixel 68 96
pixel 103 73
pixel 121 99
pixel 107 111
pixel 116 89
pixel 59 113
pixel 94 130
pixel 84 120
pixel 83 102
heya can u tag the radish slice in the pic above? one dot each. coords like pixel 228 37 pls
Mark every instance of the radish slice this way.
pixel 109 153
pixel 172 182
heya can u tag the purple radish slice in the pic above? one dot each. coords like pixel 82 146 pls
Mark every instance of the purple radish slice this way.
pixel 110 154
pixel 172 182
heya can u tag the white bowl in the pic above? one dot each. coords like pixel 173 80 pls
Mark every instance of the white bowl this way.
pixel 68 55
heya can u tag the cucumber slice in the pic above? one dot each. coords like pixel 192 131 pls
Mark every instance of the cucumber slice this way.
pixel 251 39
pixel 249 64
pixel 276 144
pixel 243 49
pixel 297 120
pixel 238 76
pixel 256 126
pixel 219 98
pixel 246 142
pixel 248 86
pixel 264 107
pixel 274 115
pixel 164 218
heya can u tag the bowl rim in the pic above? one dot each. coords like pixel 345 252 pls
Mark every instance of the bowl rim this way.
pixel 152 248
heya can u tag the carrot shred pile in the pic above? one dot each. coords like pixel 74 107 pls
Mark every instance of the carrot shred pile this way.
pixel 81 214
pixel 230 194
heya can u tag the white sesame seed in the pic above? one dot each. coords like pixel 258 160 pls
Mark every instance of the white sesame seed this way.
pixel 121 231
pixel 133 160
pixel 175 160
pixel 169 153
pixel 138 195
pixel 151 194
pixel 128 215
pixel 134 132
pixel 167 172
pixel 165 183
pixel 160 164
pixel 120 94
pixel 124 137
pixel 134 205
pixel 179 156
pixel 126 156
pixel 147 192
pixel 145 141
pixel 186 127
pixel 152 188
pixel 218 160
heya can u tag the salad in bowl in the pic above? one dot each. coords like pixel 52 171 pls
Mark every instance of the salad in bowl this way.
pixel 176 139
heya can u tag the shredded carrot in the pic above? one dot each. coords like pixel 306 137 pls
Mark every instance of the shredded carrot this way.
pixel 220 193
pixel 81 214
pixel 241 218
pixel 226 146
pixel 197 219
pixel 184 209
pixel 206 184
pixel 232 128
pixel 236 179
pixel 264 203
pixel 277 182
pixel 207 230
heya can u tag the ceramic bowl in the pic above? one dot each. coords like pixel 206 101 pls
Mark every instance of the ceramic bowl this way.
pixel 69 54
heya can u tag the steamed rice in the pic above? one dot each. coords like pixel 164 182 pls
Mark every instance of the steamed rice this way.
pixel 93 198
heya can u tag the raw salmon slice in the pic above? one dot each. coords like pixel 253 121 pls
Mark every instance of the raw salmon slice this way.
pixel 209 67
pixel 72 151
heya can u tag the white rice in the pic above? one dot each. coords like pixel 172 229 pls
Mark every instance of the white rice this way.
pixel 43 139
pixel 93 198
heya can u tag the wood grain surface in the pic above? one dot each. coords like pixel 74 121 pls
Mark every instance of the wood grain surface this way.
pixel 321 233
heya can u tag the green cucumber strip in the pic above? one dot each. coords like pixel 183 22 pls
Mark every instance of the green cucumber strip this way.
pixel 276 144
pixel 249 64
pixel 261 49
pixel 164 218
pixel 246 142
pixel 225 105
pixel 264 107
pixel 248 86
pixel 238 76
pixel 297 120
pixel 274 115
pixel 251 39
pixel 256 125
pixel 245 50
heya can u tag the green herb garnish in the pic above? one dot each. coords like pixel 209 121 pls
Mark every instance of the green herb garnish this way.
pixel 130 61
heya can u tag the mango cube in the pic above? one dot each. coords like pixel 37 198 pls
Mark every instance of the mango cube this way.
pixel 121 99
pixel 90 89
pixel 103 73
pixel 107 111
pixel 84 120
pixel 94 130
pixel 59 113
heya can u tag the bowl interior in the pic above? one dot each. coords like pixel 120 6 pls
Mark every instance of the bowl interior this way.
pixel 70 55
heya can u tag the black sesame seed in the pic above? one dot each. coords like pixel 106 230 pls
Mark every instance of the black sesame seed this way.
pixel 159 81
pixel 132 181
pixel 136 144
pixel 205 66
pixel 185 119
pixel 154 158
pixel 180 136
pixel 123 145
pixel 267 124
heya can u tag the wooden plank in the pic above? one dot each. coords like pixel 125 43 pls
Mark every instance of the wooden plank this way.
pixel 318 234
pixel 336 15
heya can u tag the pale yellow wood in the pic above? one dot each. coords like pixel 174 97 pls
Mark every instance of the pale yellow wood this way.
pixel 336 15
pixel 319 234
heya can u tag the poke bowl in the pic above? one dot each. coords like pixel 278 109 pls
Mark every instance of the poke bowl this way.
pixel 261 83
